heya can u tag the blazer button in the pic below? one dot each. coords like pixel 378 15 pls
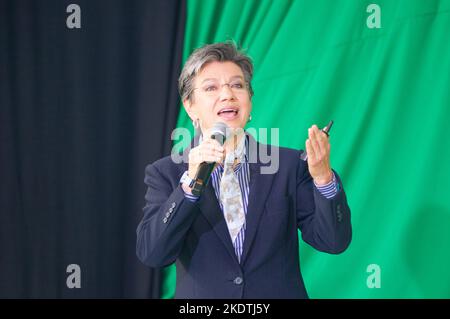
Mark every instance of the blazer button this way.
pixel 170 209
pixel 165 220
pixel 167 215
pixel 238 280
pixel 173 205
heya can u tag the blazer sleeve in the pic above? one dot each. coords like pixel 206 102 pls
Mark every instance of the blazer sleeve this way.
pixel 324 223
pixel 167 218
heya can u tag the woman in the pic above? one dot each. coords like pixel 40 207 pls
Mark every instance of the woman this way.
pixel 238 238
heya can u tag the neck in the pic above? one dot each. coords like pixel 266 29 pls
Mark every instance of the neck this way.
pixel 231 143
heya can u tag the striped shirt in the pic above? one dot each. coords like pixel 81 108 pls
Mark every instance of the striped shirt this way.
pixel 243 174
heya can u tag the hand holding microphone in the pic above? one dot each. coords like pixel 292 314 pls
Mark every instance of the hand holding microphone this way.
pixel 203 158
pixel 209 151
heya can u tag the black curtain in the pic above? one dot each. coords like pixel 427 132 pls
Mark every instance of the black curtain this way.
pixel 82 111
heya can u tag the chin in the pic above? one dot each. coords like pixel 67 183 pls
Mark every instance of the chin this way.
pixel 234 125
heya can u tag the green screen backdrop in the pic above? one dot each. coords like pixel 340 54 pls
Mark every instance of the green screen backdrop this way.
pixel 387 89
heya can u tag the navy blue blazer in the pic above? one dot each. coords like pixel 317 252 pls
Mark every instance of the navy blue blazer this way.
pixel 196 237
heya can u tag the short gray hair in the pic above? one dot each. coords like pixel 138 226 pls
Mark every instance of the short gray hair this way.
pixel 221 52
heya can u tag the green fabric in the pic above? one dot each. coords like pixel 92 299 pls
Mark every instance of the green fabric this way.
pixel 388 92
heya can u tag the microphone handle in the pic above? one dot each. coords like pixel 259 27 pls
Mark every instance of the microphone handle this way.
pixel 202 177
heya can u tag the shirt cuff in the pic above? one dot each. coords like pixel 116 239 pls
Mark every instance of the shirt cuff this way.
pixel 328 190
pixel 189 197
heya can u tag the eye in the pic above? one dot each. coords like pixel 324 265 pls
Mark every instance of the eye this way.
pixel 237 85
pixel 210 88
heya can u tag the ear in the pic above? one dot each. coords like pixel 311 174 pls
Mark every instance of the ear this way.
pixel 191 111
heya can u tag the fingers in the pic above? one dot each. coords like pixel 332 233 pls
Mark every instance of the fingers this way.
pixel 212 150
pixel 314 139
pixel 310 151
pixel 317 144
pixel 208 151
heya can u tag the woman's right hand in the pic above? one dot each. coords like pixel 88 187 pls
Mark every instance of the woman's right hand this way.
pixel 209 151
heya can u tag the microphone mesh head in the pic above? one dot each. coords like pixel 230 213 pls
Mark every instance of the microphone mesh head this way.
pixel 220 132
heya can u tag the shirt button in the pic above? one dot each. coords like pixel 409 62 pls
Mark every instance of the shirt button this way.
pixel 238 280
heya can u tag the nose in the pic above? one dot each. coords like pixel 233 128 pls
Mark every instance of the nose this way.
pixel 226 92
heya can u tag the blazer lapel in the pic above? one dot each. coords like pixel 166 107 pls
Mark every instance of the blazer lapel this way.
pixel 210 208
pixel 260 185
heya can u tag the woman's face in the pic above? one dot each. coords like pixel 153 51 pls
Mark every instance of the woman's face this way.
pixel 220 95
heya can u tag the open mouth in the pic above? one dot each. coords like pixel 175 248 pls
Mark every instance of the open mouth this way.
pixel 228 113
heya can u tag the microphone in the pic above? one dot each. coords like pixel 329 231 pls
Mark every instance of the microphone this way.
pixel 219 132
pixel 326 130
